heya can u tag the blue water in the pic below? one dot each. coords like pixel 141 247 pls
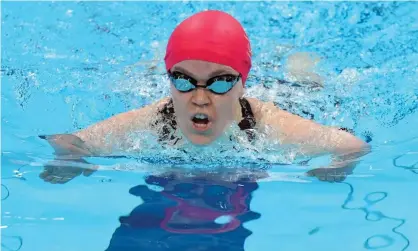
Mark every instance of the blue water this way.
pixel 66 65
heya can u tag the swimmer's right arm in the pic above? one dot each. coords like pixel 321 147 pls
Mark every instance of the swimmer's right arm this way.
pixel 105 136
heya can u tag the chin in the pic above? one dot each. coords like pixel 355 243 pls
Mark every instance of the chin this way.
pixel 200 140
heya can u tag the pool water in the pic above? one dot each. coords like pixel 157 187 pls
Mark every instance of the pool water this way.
pixel 66 65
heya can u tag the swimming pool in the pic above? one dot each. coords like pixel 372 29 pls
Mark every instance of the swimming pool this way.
pixel 79 62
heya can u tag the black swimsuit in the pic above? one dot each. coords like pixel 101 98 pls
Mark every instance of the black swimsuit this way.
pixel 167 120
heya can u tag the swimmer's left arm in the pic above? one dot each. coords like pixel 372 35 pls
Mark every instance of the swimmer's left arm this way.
pixel 314 139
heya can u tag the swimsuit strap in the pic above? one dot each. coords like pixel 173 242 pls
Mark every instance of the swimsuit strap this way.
pixel 167 118
pixel 248 121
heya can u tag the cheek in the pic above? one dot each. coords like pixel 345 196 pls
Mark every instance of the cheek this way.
pixel 225 106
pixel 174 93
pixel 180 101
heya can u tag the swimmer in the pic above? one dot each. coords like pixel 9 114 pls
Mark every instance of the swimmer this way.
pixel 207 61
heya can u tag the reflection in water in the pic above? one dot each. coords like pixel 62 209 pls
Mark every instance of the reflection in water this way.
pixel 4 192
pixel 371 199
pixel 14 243
pixel 413 168
pixel 10 243
pixel 202 212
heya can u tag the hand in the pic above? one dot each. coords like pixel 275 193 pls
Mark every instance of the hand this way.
pixel 67 145
pixel 62 171
pixel 331 174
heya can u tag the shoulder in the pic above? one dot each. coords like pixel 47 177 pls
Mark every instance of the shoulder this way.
pixel 265 112
pixel 268 115
pixel 140 117
pixel 256 107
pixel 150 109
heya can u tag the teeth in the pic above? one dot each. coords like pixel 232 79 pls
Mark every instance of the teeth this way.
pixel 201 116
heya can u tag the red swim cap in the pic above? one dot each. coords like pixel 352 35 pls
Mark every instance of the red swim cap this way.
pixel 212 36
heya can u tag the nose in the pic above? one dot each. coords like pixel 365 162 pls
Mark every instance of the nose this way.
pixel 200 97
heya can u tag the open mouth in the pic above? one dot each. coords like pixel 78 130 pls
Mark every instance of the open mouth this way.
pixel 201 122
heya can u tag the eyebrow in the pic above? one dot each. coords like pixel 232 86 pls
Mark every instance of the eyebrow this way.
pixel 178 68
pixel 213 74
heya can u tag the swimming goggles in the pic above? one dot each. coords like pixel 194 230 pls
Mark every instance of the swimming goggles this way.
pixel 218 85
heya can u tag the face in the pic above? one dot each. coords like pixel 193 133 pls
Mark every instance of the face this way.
pixel 201 114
